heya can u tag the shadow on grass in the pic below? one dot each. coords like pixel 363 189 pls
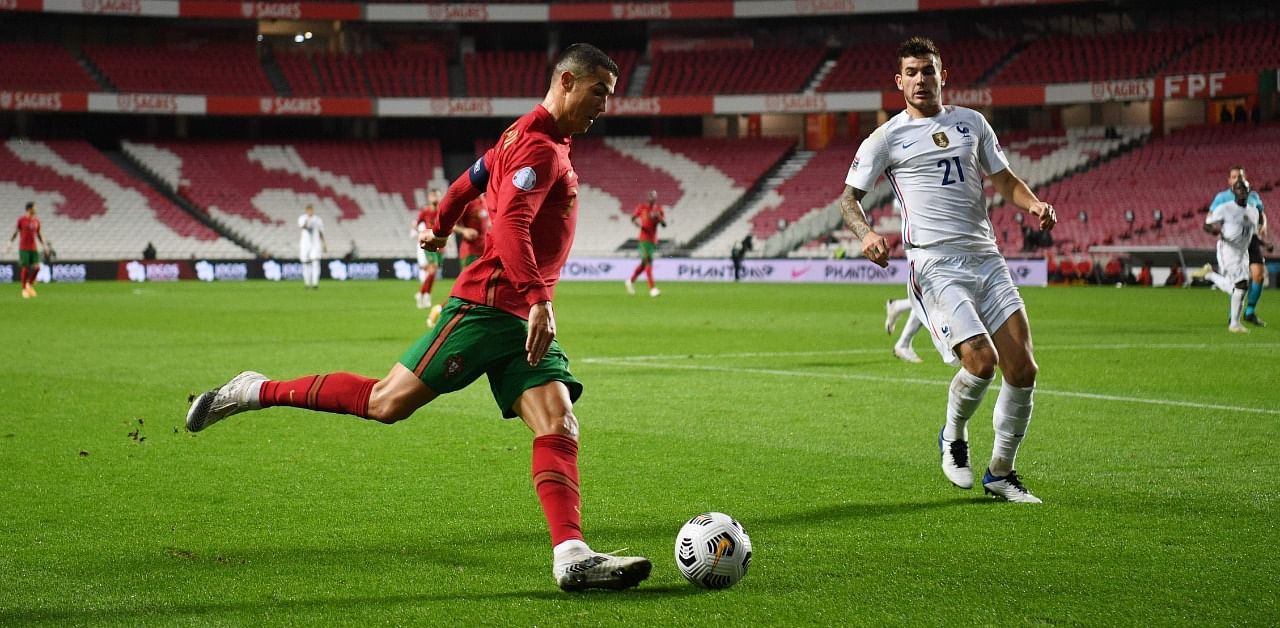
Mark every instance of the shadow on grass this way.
pixel 145 612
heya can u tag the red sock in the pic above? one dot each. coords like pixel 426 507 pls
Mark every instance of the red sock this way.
pixel 639 269
pixel 555 478
pixel 648 272
pixel 342 393
pixel 427 283
pixel 22 273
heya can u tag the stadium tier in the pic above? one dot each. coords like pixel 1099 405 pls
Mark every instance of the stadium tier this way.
pixel 92 209
pixel 32 66
pixel 1057 59
pixel 210 68
pixel 366 192
pixel 871 66
pixel 1178 175
pixel 1223 49
pixel 760 71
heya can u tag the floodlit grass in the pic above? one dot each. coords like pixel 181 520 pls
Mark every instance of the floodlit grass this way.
pixel 1153 445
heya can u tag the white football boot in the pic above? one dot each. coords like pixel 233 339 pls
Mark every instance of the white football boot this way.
pixel 591 570
pixel 1237 328
pixel 236 396
pixel 631 287
pixel 654 291
pixel 955 461
pixel 907 354
pixel 1008 487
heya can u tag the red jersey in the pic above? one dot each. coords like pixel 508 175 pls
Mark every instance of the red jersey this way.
pixel 533 192
pixel 426 218
pixel 28 229
pixel 474 216
pixel 650 216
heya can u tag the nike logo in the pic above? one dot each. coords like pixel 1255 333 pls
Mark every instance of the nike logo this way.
pixel 797 272
pixel 909 144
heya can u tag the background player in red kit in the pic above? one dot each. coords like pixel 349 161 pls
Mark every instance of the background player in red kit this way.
pixel 648 216
pixel 499 320
pixel 472 228
pixel 428 261
pixel 28 255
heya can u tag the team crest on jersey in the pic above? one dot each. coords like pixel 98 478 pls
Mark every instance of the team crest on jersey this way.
pixel 940 138
pixel 453 366
pixel 525 178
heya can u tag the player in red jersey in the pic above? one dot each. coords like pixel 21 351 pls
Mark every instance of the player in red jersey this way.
pixel 648 216
pixel 472 228
pixel 498 321
pixel 28 255
pixel 428 261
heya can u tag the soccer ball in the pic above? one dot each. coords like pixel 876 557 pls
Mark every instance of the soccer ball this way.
pixel 713 551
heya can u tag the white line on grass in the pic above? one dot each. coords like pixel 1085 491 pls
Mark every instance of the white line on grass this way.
pixel 877 351
pixel 904 380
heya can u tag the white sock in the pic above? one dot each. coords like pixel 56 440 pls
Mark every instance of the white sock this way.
pixel 1220 281
pixel 1237 299
pixel 963 397
pixel 909 331
pixel 567 550
pixel 898 306
pixel 315 272
pixel 1011 417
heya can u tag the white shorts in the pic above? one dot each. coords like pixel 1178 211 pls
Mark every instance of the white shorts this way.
pixel 1233 262
pixel 309 253
pixel 959 297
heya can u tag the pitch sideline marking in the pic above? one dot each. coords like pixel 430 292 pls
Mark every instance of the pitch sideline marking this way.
pixel 913 380
pixel 877 351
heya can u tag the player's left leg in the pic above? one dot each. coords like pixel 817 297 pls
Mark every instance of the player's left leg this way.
pixel 1013 408
pixel 33 272
pixel 902 348
pixel 22 275
pixel 548 411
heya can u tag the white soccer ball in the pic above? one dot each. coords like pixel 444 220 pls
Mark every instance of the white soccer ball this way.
pixel 713 551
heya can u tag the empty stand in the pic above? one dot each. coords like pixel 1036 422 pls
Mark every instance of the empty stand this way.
pixel 91 209
pixel 42 67
pixel 506 74
pixel 1238 48
pixel 1057 59
pixel 211 68
pixel 760 71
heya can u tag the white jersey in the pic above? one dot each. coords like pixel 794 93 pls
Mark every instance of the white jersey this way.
pixel 935 166
pixel 1238 224
pixel 312 229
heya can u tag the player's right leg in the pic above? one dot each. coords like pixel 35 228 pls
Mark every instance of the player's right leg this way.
pixel 1013 408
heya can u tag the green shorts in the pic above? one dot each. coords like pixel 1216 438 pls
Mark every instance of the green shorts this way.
pixel 28 258
pixel 646 251
pixel 471 340
pixel 466 261
pixel 430 258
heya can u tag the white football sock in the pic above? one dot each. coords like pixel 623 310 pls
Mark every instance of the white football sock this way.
pixel 1011 417
pixel 1237 299
pixel 898 306
pixel 908 331
pixel 567 550
pixel 1220 282
pixel 963 397
pixel 315 272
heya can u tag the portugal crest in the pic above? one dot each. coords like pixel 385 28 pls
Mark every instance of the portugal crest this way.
pixel 940 138
pixel 453 366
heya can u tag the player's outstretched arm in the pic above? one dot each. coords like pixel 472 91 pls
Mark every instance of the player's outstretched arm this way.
pixel 874 246
pixel 1016 191
pixel 466 188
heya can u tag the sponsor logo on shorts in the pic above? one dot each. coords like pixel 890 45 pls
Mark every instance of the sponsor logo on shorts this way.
pixel 453 366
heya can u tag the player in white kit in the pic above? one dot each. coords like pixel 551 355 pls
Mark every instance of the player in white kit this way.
pixel 1235 222
pixel 935 157
pixel 311 246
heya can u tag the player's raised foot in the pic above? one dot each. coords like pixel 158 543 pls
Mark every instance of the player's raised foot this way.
pixel 1202 272
pixel 1009 488
pixel 591 570
pixel 1237 328
pixel 907 354
pixel 653 292
pixel 233 397
pixel 955 461
pixel 631 286
pixel 1254 320
pixel 890 319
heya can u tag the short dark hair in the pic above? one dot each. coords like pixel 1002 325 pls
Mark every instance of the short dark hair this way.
pixel 30 204
pixel 583 59
pixel 918 48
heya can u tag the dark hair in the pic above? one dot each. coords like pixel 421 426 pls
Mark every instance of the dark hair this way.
pixel 583 59
pixel 30 204
pixel 918 48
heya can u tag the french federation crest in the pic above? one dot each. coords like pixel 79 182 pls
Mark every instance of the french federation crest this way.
pixel 940 138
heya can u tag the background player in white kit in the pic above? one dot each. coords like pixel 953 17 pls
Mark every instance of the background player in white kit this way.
pixel 935 157
pixel 311 246
pixel 1235 222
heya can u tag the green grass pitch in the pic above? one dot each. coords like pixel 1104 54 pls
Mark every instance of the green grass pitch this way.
pixel 1153 445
